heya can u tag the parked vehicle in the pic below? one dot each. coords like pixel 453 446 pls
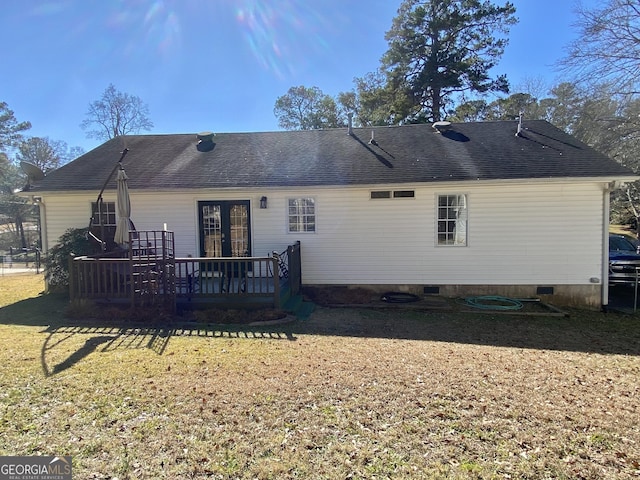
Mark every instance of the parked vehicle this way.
pixel 624 260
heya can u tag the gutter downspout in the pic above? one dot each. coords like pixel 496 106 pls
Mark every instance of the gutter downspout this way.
pixel 44 237
pixel 606 205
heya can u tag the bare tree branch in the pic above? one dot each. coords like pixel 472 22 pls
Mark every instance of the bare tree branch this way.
pixel 116 114
pixel 608 46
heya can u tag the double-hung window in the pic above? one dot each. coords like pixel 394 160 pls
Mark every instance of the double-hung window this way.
pixel 301 215
pixel 452 217
pixel 103 213
pixel 103 222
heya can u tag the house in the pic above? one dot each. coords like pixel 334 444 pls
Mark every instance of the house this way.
pixel 511 208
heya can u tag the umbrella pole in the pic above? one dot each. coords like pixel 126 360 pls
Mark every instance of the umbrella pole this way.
pixel 99 202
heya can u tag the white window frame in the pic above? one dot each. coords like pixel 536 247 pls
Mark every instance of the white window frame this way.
pixel 108 213
pixel 302 219
pixel 452 220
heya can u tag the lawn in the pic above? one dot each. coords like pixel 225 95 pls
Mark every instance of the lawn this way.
pixel 347 394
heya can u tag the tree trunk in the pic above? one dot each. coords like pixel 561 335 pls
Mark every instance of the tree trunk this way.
pixel 20 231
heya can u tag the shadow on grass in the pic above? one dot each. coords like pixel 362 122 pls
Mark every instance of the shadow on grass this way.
pixel 108 338
pixel 44 310
pixel 111 337
pixel 581 331
pixel 89 347
pixel 48 311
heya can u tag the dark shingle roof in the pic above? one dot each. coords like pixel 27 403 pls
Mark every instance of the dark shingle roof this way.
pixel 406 154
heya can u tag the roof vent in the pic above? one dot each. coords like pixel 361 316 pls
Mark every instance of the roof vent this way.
pixel 205 141
pixel 441 126
pixel 206 136
pixel 373 140
pixel 519 130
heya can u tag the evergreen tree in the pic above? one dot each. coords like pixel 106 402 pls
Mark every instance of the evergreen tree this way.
pixel 10 129
pixel 442 48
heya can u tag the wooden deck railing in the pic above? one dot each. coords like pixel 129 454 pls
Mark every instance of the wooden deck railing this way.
pixel 223 281
pixel 93 278
pixel 291 266
pixel 198 278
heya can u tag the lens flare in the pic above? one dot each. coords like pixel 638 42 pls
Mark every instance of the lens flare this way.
pixel 282 35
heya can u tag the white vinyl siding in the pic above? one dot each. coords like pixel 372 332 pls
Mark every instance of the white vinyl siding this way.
pixel 528 233
pixel 63 212
pixel 524 234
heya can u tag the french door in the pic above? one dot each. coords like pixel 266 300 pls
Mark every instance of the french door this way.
pixel 225 228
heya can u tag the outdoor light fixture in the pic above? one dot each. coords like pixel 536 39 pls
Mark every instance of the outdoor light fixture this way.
pixel 263 202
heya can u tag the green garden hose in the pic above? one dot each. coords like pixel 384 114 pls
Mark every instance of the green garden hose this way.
pixel 493 302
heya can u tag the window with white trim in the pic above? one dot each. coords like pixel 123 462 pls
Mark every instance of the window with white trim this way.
pixel 105 215
pixel 452 220
pixel 103 222
pixel 302 215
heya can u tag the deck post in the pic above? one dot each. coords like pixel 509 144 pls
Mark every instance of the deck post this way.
pixel 276 283
pixel 295 267
pixel 72 279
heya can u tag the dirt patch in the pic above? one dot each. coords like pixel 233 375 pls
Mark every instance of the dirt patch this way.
pixel 235 317
pixel 337 297
pixel 326 296
pixel 88 312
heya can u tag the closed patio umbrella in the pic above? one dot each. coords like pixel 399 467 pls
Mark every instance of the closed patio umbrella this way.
pixel 123 209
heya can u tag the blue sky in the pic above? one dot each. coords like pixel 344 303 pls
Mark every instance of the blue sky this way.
pixel 217 65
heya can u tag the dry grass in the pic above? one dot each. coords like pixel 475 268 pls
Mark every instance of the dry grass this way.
pixel 17 287
pixel 347 394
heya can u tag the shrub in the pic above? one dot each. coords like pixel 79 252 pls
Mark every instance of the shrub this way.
pixel 56 264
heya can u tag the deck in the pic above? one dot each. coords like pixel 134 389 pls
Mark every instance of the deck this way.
pixel 236 282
